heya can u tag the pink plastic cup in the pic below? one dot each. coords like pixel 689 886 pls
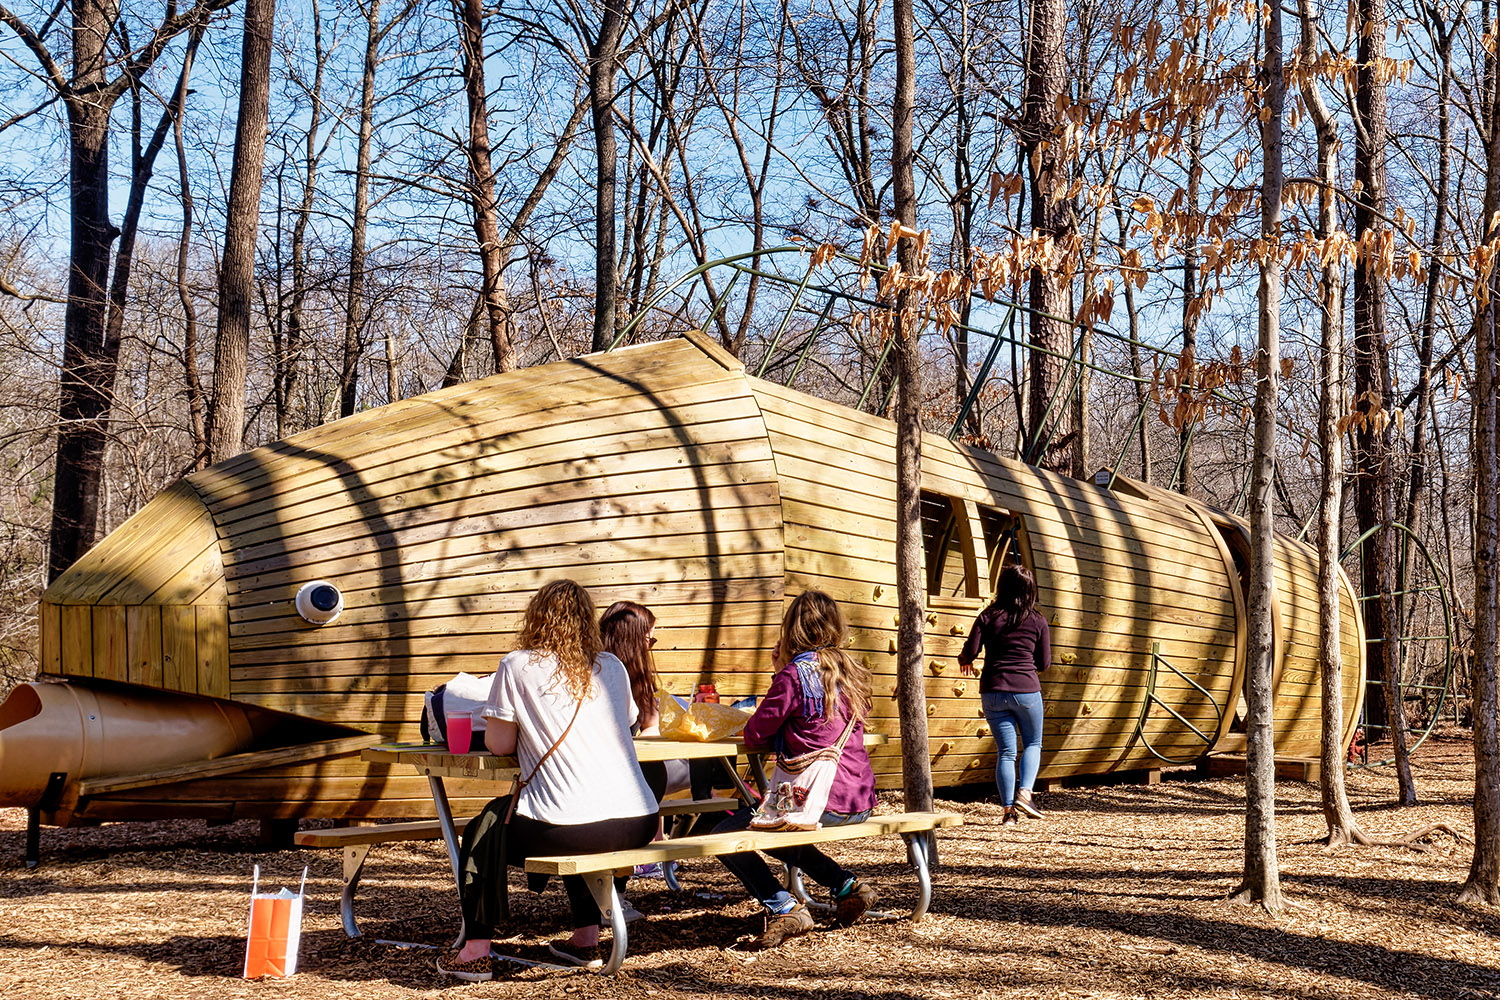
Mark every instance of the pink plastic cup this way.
pixel 460 732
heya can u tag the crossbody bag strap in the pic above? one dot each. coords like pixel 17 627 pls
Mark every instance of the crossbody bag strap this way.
pixel 515 796
pixel 848 732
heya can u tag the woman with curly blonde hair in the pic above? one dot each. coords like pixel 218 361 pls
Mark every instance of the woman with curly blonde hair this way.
pixel 564 707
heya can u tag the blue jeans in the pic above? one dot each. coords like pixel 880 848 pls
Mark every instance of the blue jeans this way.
pixel 753 872
pixel 1011 716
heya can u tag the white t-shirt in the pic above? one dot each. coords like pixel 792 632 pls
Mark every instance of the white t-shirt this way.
pixel 593 774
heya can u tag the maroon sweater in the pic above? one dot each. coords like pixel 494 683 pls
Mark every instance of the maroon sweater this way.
pixel 1012 657
pixel 778 724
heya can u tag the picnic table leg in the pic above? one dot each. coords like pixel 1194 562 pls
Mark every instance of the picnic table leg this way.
pixel 798 890
pixel 757 774
pixel 916 850
pixel 450 839
pixel 602 885
pixel 354 863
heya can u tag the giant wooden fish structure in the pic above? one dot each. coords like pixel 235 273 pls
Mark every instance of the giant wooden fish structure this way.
pixel 180 678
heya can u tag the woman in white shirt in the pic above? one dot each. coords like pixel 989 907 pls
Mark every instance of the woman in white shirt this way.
pixel 558 692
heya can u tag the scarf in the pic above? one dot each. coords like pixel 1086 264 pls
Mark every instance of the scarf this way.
pixel 810 680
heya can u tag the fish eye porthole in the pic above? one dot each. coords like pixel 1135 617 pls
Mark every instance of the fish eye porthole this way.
pixel 319 602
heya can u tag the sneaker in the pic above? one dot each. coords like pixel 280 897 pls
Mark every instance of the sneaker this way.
pixel 852 905
pixel 629 912
pixel 653 870
pixel 1009 819
pixel 783 926
pixel 475 970
pixel 1023 803
pixel 591 957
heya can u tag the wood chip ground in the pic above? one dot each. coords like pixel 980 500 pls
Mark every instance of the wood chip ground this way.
pixel 1119 892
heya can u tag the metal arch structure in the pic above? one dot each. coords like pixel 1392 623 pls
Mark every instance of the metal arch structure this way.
pixel 816 298
pixel 1439 692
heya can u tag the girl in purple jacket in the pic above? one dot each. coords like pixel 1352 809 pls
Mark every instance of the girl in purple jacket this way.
pixel 816 688
pixel 1017 646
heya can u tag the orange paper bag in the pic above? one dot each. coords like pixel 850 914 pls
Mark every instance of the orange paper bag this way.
pixel 275 930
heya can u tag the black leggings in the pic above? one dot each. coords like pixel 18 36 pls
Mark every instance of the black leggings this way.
pixel 484 870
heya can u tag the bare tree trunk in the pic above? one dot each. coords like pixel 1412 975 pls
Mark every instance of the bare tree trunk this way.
pixel 470 17
pixel 287 362
pixel 1483 883
pixel 1137 369
pixel 354 303
pixel 963 217
pixel 602 60
pixel 1374 451
pixel 86 381
pixel 1190 306
pixel 143 162
pixel 911 576
pixel 86 386
pixel 1051 216
pixel 1262 881
pixel 226 418
pixel 1342 828
pixel 193 386
pixel 1417 473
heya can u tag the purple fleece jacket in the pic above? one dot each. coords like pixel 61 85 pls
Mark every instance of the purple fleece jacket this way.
pixel 778 725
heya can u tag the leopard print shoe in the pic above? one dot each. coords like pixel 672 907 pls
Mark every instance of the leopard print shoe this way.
pixel 476 970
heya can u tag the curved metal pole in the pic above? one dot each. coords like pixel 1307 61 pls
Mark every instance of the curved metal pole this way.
pixel 1447 636
pixel 798 890
pixel 996 340
pixel 1151 698
pixel 602 886
pixel 875 374
pixel 1114 473
pixel 812 337
pixel 354 865
pixel 634 321
pixel 1045 429
pixel 916 851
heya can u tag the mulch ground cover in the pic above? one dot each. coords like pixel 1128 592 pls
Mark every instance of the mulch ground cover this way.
pixel 1118 892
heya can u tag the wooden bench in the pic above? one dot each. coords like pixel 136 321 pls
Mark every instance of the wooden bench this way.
pixel 598 870
pixel 356 841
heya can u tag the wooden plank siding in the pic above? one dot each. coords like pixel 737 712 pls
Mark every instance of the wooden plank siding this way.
pixel 148 604
pixel 1117 574
pixel 641 478
pixel 659 473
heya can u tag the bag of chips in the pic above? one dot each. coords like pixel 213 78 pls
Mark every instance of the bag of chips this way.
pixel 701 721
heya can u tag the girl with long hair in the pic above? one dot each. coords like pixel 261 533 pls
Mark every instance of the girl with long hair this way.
pixel 1017 646
pixel 628 630
pixel 563 705
pixel 816 690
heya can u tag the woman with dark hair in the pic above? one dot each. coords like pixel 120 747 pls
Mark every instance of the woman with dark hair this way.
pixel 628 630
pixel 1017 646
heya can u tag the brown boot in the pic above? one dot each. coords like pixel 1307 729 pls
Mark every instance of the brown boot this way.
pixel 784 926
pixel 852 906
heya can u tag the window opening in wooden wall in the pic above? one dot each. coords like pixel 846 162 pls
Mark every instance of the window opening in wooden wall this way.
pixel 1003 542
pixel 942 540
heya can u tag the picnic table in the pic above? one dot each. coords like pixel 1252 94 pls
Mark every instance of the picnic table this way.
pixel 436 763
